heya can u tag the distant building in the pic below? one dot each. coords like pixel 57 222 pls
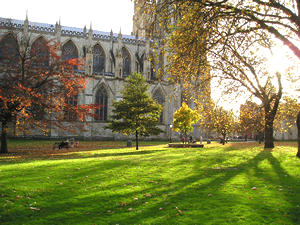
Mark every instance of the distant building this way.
pixel 109 59
pixel 286 132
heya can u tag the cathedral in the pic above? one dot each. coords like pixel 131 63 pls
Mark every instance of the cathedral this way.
pixel 109 58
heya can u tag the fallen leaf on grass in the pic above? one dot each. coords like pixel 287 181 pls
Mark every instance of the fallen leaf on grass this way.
pixel 254 188
pixel 18 197
pixel 34 208
pixel 148 195
pixel 123 204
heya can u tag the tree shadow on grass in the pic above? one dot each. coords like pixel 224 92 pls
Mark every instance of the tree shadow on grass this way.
pixel 188 194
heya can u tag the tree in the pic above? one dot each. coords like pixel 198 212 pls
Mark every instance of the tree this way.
pixel 184 118
pixel 210 25
pixel 251 119
pixel 137 113
pixel 223 121
pixel 203 36
pixel 36 85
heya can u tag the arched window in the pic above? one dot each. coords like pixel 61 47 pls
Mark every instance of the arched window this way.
pixel 98 59
pixel 69 51
pixel 101 100
pixel 153 71
pixel 153 68
pixel 158 96
pixel 40 52
pixel 140 67
pixel 9 50
pixel 126 62
pixel 70 114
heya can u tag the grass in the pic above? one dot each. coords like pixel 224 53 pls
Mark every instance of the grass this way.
pixel 106 183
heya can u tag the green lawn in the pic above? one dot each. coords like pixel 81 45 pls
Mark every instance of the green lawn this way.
pixel 232 184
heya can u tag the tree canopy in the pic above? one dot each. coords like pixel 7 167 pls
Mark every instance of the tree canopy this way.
pixel 36 87
pixel 137 113
pixel 184 118
pixel 224 41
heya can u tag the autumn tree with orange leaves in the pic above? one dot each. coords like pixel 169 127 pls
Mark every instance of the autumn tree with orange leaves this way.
pixel 38 88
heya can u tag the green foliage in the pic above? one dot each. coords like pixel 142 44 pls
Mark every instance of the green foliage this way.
pixel 214 185
pixel 184 118
pixel 137 113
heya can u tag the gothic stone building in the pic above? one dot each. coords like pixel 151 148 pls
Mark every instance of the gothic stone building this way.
pixel 109 59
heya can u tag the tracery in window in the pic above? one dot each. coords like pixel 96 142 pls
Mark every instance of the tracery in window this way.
pixel 70 114
pixel 98 59
pixel 158 96
pixel 9 50
pixel 126 62
pixel 101 100
pixel 40 52
pixel 69 51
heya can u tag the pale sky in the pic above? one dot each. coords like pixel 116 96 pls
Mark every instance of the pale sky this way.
pixel 104 14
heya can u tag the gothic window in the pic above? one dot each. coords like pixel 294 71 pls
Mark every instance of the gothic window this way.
pixel 101 100
pixel 141 64
pixel 158 96
pixel 69 51
pixel 153 68
pixel 126 62
pixel 9 50
pixel 98 59
pixel 153 71
pixel 40 52
pixel 70 114
pixel 184 97
pixel 112 66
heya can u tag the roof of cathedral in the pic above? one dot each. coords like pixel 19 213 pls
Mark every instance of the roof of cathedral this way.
pixel 71 31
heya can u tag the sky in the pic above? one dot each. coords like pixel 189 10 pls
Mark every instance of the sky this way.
pixel 105 15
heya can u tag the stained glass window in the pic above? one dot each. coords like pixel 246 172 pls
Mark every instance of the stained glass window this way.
pixel 9 50
pixel 70 114
pixel 40 52
pixel 98 59
pixel 126 62
pixel 69 51
pixel 101 100
pixel 158 96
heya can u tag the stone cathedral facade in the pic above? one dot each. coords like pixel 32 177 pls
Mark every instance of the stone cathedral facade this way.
pixel 109 59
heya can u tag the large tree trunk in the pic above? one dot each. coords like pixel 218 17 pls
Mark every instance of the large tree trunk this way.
pixel 298 126
pixel 4 149
pixel 269 141
pixel 137 140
